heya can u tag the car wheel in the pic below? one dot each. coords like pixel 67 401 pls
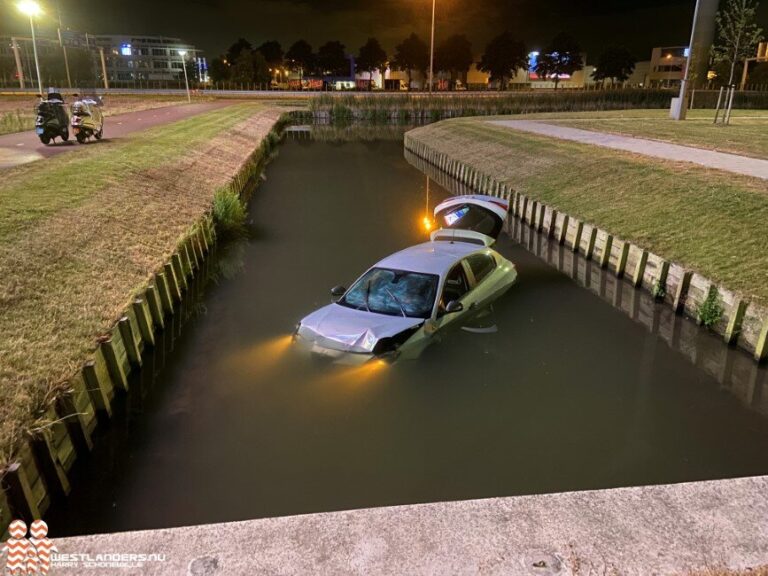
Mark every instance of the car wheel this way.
pixel 81 137
pixel 45 140
pixel 100 134
pixel 65 135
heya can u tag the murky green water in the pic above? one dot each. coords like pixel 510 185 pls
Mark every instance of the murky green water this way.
pixel 569 394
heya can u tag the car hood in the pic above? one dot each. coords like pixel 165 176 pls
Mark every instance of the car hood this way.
pixel 353 330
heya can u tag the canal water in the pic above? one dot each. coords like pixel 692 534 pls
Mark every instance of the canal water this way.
pixel 569 393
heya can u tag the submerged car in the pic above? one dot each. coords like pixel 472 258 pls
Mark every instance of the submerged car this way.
pixel 397 307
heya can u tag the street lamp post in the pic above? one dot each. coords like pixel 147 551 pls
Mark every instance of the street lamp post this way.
pixel 432 48
pixel 183 54
pixel 32 9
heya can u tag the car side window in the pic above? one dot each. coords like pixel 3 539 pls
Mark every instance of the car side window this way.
pixel 481 265
pixel 456 285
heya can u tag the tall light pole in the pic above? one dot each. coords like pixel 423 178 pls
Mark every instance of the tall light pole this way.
pixel 63 48
pixel 432 48
pixel 183 54
pixel 702 34
pixel 32 9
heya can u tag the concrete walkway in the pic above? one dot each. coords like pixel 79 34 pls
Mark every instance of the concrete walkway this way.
pixel 644 530
pixel 718 160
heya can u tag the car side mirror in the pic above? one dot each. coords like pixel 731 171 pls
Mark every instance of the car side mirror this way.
pixel 454 306
pixel 338 291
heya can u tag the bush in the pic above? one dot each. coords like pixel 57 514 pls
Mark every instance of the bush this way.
pixel 659 292
pixel 711 310
pixel 228 213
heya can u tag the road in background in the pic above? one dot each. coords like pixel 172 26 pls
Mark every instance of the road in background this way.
pixel 23 147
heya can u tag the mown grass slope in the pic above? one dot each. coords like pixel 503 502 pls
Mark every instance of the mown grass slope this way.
pixel 711 221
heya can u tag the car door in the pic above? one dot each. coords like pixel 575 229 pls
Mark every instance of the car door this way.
pixel 456 286
pixel 480 267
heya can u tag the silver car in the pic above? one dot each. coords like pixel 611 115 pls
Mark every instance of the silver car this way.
pixel 398 305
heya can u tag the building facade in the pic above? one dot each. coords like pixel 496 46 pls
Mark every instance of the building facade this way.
pixel 128 59
pixel 132 58
pixel 667 66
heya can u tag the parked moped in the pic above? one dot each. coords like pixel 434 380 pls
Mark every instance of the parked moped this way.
pixel 52 120
pixel 87 119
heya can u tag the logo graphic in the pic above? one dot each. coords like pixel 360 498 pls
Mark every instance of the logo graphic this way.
pixel 28 555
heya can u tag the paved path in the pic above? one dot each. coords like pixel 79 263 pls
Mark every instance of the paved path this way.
pixel 23 147
pixel 645 530
pixel 719 160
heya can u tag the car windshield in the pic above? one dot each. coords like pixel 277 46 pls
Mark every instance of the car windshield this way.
pixel 393 292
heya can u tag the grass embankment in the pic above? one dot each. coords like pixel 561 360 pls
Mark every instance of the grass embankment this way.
pixel 80 233
pixel 746 135
pixel 710 221
pixel 17 113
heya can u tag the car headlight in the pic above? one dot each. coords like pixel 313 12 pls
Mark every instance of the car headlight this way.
pixel 369 341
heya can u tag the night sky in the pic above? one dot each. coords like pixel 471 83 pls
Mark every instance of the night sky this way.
pixel 215 24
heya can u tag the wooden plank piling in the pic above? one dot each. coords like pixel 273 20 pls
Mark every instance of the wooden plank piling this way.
pixel 178 269
pixel 118 367
pixel 98 389
pixel 129 340
pixel 682 292
pixel 20 494
pixel 173 283
pixel 76 410
pixel 51 467
pixel 637 277
pixel 144 321
pixel 155 306
pixel 605 257
pixel 733 329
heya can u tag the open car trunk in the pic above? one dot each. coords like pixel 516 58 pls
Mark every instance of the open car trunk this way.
pixel 474 218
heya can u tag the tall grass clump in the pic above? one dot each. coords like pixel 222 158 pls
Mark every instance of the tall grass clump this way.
pixel 711 310
pixel 422 107
pixel 16 121
pixel 229 213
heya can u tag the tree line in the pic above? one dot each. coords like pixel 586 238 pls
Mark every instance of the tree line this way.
pixel 504 56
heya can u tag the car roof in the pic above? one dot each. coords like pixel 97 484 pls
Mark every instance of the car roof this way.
pixel 430 257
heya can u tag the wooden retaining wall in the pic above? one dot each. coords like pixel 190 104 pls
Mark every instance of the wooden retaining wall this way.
pixel 735 371
pixel 41 471
pixel 743 324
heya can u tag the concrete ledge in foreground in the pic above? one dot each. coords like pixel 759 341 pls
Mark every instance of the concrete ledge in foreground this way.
pixel 644 530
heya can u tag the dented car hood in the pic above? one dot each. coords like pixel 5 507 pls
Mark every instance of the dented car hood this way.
pixel 341 328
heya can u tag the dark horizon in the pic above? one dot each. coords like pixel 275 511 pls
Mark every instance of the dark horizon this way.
pixel 213 25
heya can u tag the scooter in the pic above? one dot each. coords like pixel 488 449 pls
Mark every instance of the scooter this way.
pixel 52 120
pixel 87 119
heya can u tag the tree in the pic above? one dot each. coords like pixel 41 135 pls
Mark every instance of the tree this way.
pixel 219 70
pixel 300 56
pixel 616 63
pixel 503 57
pixel 272 52
pixel 561 58
pixel 411 54
pixel 454 55
pixel 372 57
pixel 236 49
pixel 250 67
pixel 332 59
pixel 737 34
